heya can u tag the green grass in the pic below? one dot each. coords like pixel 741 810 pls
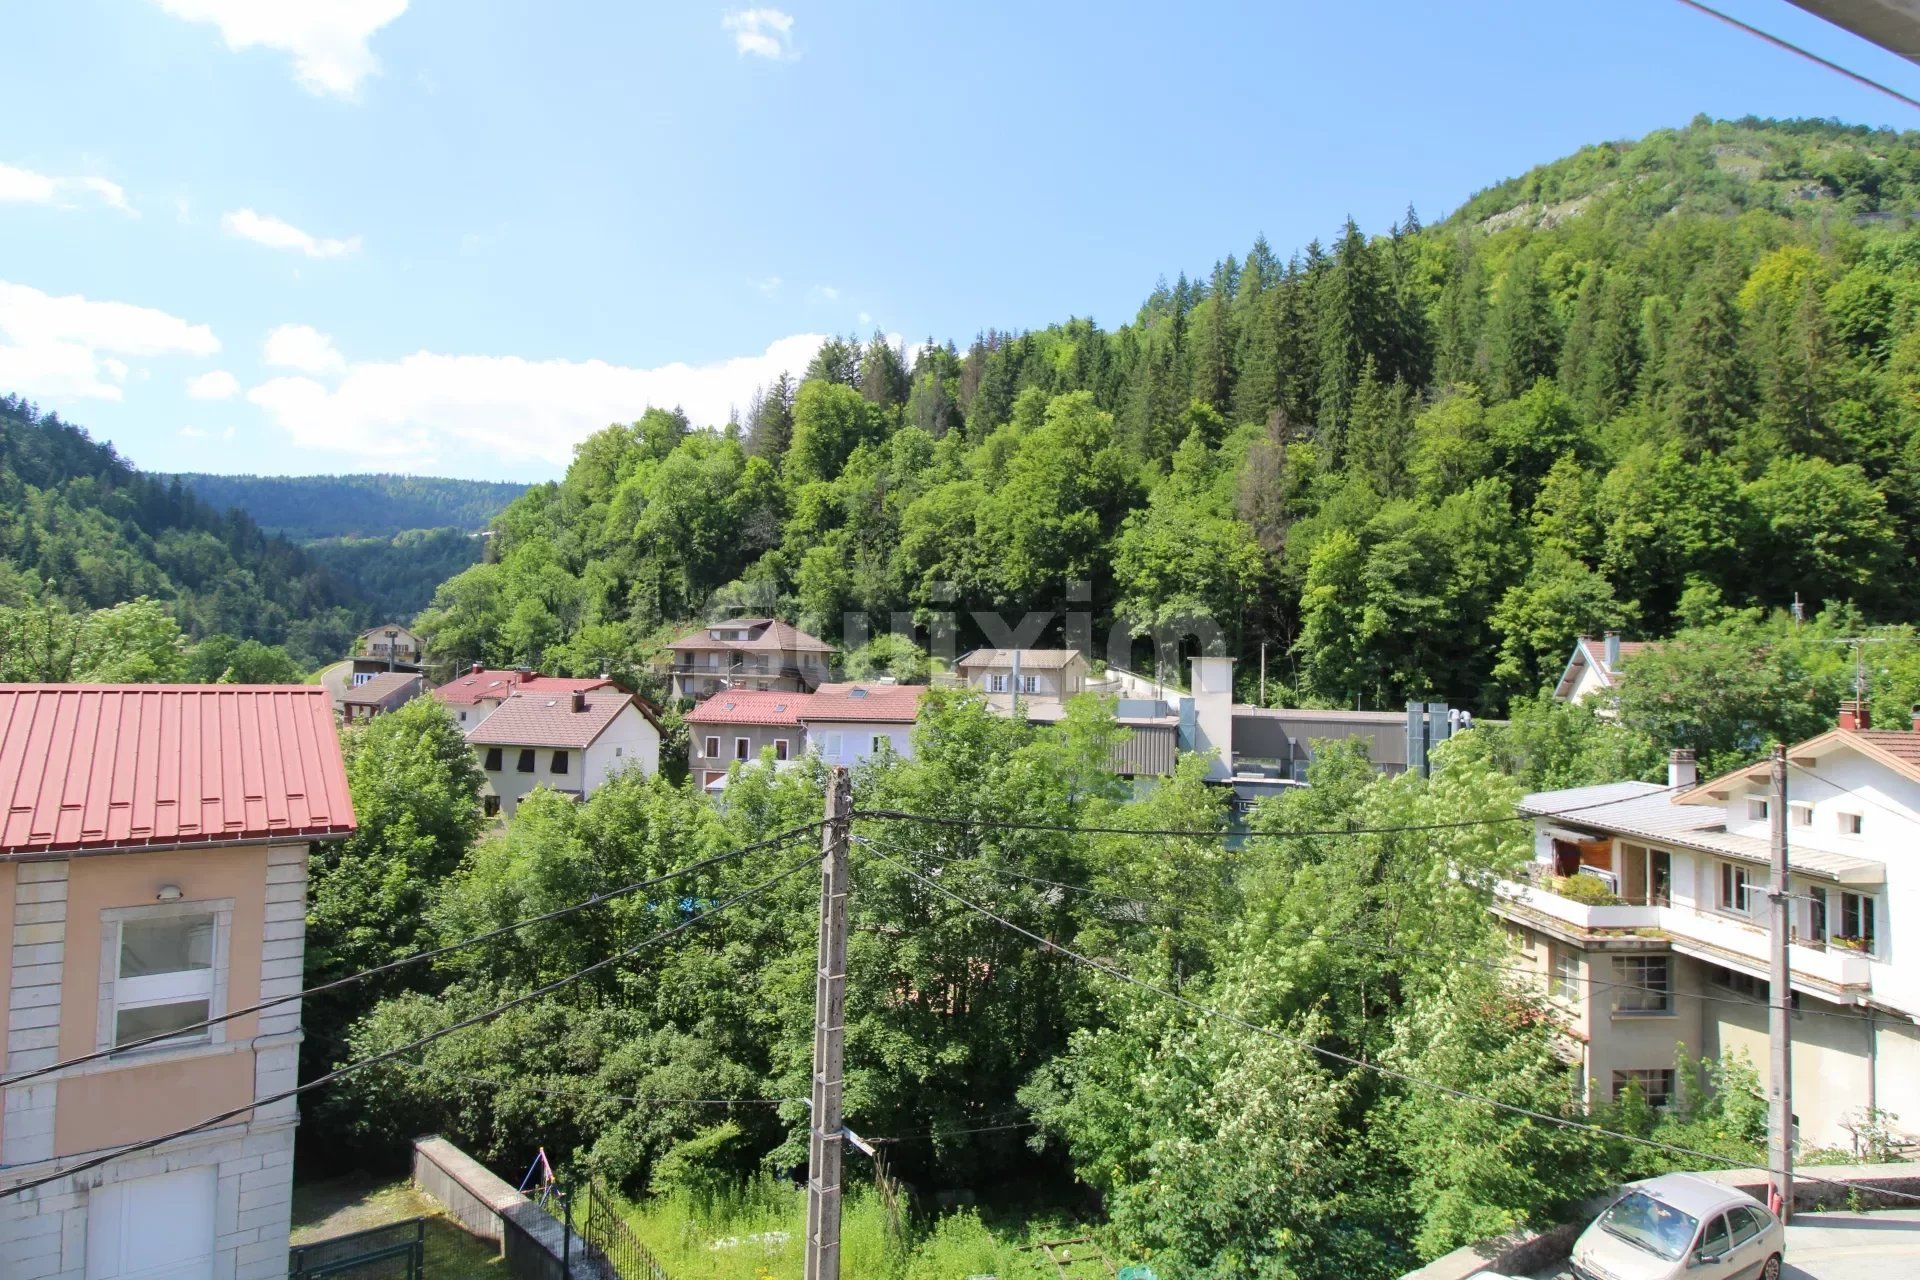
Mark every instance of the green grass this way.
pixel 340 1206
pixel 755 1232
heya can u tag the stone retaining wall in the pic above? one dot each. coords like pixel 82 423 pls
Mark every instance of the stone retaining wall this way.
pixel 528 1237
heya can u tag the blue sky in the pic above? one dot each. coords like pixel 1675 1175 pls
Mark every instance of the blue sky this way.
pixel 455 236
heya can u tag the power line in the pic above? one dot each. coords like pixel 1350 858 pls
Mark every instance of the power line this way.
pixel 994 824
pixel 1335 1055
pixel 417 957
pixel 1808 54
pixel 1356 945
pixel 388 1055
pixel 1849 791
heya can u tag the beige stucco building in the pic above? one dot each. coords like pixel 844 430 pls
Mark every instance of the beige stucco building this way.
pixel 153 856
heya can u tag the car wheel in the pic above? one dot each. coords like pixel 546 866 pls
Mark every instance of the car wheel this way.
pixel 1772 1270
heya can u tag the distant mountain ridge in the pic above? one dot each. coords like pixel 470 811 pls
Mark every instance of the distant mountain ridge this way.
pixel 80 526
pixel 306 508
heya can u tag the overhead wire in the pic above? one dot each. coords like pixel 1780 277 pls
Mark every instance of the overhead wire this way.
pixel 1334 1055
pixel 1779 43
pixel 1303 935
pixel 389 1055
pixel 997 824
pixel 418 957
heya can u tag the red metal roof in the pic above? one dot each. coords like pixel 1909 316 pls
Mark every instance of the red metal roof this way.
pixel 751 706
pixel 478 686
pixel 133 766
pixel 894 703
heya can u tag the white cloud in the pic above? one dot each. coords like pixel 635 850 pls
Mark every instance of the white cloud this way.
pixel 193 433
pixel 278 234
pixel 327 38
pixel 216 385
pixel 823 293
pixel 302 347
pixel 24 186
pixel 429 409
pixel 865 319
pixel 763 33
pixel 769 286
pixel 72 346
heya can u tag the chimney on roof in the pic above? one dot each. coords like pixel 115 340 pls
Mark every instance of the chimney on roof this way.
pixel 1916 717
pixel 579 700
pixel 1854 714
pixel 1613 650
pixel 1682 770
pixel 476 669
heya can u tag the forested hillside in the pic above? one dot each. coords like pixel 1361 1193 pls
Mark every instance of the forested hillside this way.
pixel 80 530
pixel 1630 389
pixel 396 576
pixel 358 506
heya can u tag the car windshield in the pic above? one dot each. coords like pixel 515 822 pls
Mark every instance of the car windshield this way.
pixel 1658 1228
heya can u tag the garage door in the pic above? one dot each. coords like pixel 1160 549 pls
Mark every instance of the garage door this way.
pixel 158 1228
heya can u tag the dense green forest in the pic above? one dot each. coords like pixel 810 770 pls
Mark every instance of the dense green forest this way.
pixel 81 530
pixel 305 508
pixel 1640 384
pixel 396 576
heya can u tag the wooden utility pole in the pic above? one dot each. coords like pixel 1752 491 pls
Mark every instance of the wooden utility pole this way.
pixel 1780 1002
pixel 826 1147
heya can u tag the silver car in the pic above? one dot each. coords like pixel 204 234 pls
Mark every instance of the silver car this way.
pixel 1681 1225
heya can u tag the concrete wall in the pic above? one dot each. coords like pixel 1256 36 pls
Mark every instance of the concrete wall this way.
pixel 529 1238
pixel 848 742
pixel 759 738
pixel 630 742
pixel 631 735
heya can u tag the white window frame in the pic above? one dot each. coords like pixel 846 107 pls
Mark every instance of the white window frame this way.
pixel 782 748
pixel 1639 994
pixel 1849 824
pixel 713 746
pixel 1735 892
pixel 743 748
pixel 1866 909
pixel 1029 684
pixel 1565 978
pixel 160 989
pixel 1819 914
pixel 881 742
pixel 1664 1077
pixel 996 683
pixel 1758 809
pixel 1799 814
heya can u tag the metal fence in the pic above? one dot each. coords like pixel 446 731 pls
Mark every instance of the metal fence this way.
pixel 611 1241
pixel 397 1251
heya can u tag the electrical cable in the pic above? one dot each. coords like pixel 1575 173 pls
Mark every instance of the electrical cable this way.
pixel 1335 1055
pixel 417 957
pixel 387 1055
pixel 1808 54
pixel 993 824
pixel 1303 935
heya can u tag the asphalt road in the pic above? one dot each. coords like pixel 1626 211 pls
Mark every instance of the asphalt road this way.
pixel 1843 1246
pixel 1854 1246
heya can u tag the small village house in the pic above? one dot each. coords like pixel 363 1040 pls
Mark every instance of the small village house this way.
pixel 1644 916
pixel 477 692
pixel 571 741
pixel 388 691
pixel 153 870
pixel 847 723
pixel 391 643
pixel 733 727
pixel 747 654
pixel 1595 667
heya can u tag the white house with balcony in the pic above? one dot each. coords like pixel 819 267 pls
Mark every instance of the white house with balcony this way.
pixel 1644 914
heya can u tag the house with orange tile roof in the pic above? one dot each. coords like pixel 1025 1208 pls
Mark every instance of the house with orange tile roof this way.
pixel 1595 667
pixel 477 692
pixel 153 872
pixel 843 724
pixel 743 654
pixel 568 740
pixel 1645 917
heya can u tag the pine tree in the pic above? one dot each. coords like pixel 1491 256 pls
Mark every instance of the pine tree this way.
pixel 1379 432
pixel 770 420
pixel 1708 387
pixel 1600 376
pixel 1256 389
pixel 883 373
pixel 1523 334
pixel 1349 314
pixel 1460 315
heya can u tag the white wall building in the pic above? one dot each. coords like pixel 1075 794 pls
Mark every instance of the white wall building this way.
pixel 847 723
pixel 1682 957
pixel 571 742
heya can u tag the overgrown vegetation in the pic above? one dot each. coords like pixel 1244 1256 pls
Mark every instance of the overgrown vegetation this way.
pixel 1646 381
